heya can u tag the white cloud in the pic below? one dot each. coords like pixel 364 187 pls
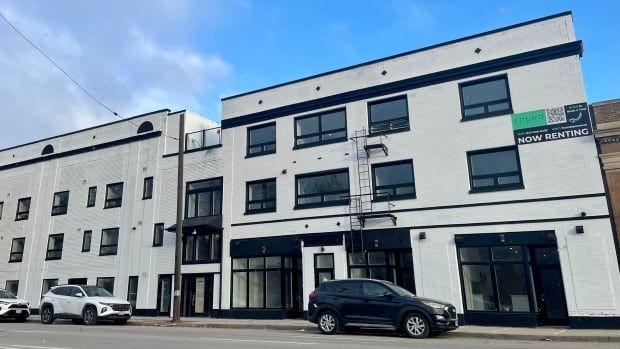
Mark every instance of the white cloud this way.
pixel 135 56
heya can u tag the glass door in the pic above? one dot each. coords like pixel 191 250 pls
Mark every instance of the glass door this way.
pixel 164 293
pixel 550 297
pixel 197 295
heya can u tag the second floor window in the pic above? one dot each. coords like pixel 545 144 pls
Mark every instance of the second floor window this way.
pixel 494 169
pixel 86 239
pixel 92 197
pixel 147 191
pixel 54 246
pixel 390 115
pixel 485 97
pixel 262 140
pixel 114 195
pixel 393 180
pixel 23 209
pixel 60 203
pixel 261 196
pixel 329 127
pixel 17 250
pixel 158 235
pixel 201 248
pixel 109 242
pixel 322 189
pixel 203 198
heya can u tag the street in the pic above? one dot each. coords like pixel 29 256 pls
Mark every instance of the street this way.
pixel 65 335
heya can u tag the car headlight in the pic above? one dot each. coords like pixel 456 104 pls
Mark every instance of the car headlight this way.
pixel 108 304
pixel 434 305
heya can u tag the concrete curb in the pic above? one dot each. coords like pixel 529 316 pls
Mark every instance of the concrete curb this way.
pixel 453 334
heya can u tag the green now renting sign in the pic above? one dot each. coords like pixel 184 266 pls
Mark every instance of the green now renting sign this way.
pixel 550 124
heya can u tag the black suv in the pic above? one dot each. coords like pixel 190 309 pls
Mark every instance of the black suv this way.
pixel 377 304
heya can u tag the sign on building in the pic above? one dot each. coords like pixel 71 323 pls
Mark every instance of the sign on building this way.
pixel 543 125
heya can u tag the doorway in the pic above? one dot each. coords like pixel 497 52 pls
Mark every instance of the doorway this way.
pixel 197 295
pixel 164 293
pixel 549 288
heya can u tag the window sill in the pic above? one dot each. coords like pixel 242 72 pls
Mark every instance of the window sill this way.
pixel 149 198
pixel 377 134
pixel 394 198
pixel 84 251
pixel 201 262
pixel 492 189
pixel 19 261
pixel 317 144
pixel 53 258
pixel 107 254
pixel 158 245
pixel 107 207
pixel 258 212
pixel 330 204
pixel 58 214
pixel 259 154
pixel 21 219
pixel 487 115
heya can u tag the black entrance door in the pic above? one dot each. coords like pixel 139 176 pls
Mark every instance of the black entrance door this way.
pixel 197 293
pixel 164 293
pixel 550 298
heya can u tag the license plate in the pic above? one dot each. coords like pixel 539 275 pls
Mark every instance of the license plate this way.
pixel 19 311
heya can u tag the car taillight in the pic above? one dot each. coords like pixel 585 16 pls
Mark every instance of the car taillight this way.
pixel 312 295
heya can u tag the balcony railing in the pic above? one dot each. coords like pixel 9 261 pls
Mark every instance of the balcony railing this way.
pixel 203 139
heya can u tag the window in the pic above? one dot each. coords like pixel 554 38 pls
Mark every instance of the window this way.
pixel 394 266
pixel 147 191
pixel 204 198
pixel 203 139
pixel 393 181
pixel 386 116
pixel 146 126
pixel 323 268
pixel 262 282
pixel 92 197
pixel 114 195
pixel 322 189
pixel 1 208
pixel 494 169
pixel 109 242
pixel 60 203
pixel 328 127
pixel 494 278
pixel 47 285
pixel 201 248
pixel 12 286
pixel 486 97
pixel 86 239
pixel 17 250
pixel 23 209
pixel 262 140
pixel 132 291
pixel 261 196
pixel 158 235
pixel 54 246
pixel 48 149
pixel 62 291
pixel 373 289
pixel 107 283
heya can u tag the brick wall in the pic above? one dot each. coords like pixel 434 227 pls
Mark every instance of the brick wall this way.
pixel 607 111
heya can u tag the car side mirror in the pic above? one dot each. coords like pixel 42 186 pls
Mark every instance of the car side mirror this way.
pixel 388 295
pixel 79 295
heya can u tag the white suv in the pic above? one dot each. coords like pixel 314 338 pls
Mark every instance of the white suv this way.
pixel 13 307
pixel 87 304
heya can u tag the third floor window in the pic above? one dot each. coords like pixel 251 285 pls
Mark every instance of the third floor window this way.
pixel 328 127
pixel 261 140
pixel 23 209
pixel 114 195
pixel 389 115
pixel 485 97
pixel 60 203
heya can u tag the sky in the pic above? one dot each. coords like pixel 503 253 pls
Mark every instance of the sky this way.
pixel 138 56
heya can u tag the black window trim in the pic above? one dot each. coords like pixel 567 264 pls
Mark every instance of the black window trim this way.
pixel 106 204
pixel 188 192
pixel 50 288
pixel 209 260
pixel 84 239
pixel 1 208
pixel 47 257
pixel 55 207
pixel 384 100
pixel 394 186
pixel 146 179
pixel 101 245
pixel 322 203
pixel 137 278
pixel 17 213
pixel 320 133
pixel 104 278
pixel 156 243
pixel 282 269
pixel 88 197
pixel 261 201
pixel 11 253
pixel 264 152
pixel 318 270
pixel 485 104
pixel 519 171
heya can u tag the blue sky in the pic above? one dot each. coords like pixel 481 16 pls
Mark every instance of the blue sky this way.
pixel 138 56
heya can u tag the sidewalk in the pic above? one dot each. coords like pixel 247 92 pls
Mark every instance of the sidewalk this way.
pixel 556 334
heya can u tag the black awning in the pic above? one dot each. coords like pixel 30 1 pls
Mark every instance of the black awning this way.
pixel 210 223
pixel 378 239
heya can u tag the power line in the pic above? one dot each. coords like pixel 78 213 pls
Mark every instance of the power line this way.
pixel 82 88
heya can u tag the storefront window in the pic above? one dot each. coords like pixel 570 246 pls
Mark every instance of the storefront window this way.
pixel 393 266
pixel 263 282
pixel 478 287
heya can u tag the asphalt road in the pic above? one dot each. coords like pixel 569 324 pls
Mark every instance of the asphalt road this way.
pixel 65 335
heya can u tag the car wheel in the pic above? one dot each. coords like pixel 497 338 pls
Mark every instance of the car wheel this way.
pixel 120 322
pixel 89 316
pixel 328 323
pixel 416 325
pixel 47 315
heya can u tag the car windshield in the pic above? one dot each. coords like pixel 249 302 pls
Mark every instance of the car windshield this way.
pixel 96 291
pixel 7 295
pixel 401 291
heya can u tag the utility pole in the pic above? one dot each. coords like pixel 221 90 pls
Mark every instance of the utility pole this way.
pixel 179 231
